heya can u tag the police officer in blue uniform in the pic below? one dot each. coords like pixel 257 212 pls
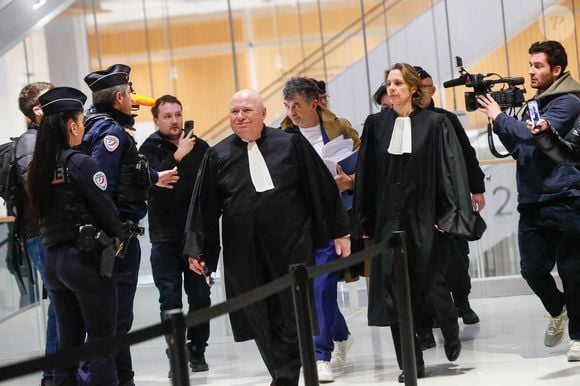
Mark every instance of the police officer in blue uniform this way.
pixel 129 178
pixel 68 195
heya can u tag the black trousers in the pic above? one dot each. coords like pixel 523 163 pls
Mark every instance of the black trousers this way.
pixel 457 273
pixel 549 234
pixel 279 345
pixel 395 331
pixel 431 298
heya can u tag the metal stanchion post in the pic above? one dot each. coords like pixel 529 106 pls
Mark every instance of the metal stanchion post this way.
pixel 176 341
pixel 304 323
pixel 407 334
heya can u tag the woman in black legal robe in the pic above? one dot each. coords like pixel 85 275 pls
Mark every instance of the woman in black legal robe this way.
pixel 410 175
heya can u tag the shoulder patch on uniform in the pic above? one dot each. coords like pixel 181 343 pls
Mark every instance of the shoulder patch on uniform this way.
pixel 111 143
pixel 100 179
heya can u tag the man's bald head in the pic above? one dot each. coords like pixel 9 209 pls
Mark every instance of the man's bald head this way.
pixel 248 95
pixel 247 114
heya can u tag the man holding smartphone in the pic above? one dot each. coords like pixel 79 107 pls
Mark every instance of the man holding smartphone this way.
pixel 549 193
pixel 168 147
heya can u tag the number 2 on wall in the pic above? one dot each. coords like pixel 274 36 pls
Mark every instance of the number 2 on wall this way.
pixel 501 210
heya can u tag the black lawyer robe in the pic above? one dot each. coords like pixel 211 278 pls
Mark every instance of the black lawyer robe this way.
pixel 262 233
pixel 408 192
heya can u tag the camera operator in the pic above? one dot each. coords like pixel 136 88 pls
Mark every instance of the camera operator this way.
pixel 549 226
pixel 457 274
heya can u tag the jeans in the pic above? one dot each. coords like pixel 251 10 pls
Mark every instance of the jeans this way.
pixel 170 274
pixel 549 234
pixel 36 253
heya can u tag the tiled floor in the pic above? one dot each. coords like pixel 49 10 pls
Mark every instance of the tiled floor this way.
pixel 506 348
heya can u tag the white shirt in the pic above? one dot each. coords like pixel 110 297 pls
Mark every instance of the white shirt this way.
pixel 314 136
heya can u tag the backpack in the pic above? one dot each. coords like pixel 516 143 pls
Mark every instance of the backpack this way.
pixel 10 189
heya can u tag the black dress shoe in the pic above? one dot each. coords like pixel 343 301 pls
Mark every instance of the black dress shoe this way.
pixel 196 358
pixel 452 349
pixel 197 363
pixel 420 374
pixel 469 316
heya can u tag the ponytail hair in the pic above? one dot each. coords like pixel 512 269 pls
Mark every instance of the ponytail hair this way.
pixel 52 138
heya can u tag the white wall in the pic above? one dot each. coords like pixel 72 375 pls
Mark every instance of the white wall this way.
pixel 14 76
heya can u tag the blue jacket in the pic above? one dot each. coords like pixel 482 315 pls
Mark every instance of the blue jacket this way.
pixel 540 179
pixel 108 143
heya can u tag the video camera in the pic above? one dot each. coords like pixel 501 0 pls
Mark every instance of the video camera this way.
pixel 510 97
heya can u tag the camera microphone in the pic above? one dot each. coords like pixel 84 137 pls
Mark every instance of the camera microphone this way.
pixel 455 82
pixel 511 81
pixel 516 80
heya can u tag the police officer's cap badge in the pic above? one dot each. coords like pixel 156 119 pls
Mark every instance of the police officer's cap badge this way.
pixel 111 143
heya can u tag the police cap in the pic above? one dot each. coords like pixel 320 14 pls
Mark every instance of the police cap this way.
pixel 115 75
pixel 62 99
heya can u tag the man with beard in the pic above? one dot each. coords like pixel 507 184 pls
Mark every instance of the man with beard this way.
pixel 169 147
pixel 548 193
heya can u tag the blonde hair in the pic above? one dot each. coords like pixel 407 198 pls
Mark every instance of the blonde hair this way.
pixel 411 78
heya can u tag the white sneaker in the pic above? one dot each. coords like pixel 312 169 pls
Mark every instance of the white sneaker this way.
pixel 324 371
pixel 341 348
pixel 555 332
pixel 574 352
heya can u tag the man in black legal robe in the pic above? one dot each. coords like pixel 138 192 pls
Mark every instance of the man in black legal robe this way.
pixel 277 202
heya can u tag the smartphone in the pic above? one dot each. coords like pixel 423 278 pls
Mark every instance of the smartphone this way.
pixel 187 127
pixel 534 112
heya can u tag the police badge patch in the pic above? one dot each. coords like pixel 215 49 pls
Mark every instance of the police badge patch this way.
pixel 100 179
pixel 111 143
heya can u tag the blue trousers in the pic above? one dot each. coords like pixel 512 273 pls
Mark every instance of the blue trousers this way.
pixel 85 304
pixel 171 273
pixel 549 234
pixel 125 275
pixel 331 324
pixel 36 254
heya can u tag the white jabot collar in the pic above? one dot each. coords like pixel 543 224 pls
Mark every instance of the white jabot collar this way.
pixel 401 138
pixel 259 172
